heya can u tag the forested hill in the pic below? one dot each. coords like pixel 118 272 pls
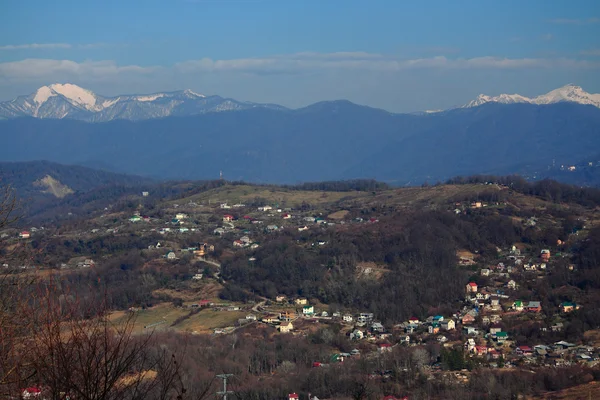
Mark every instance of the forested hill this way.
pixel 23 175
pixel 326 141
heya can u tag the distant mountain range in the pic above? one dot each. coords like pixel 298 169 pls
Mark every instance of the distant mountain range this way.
pixel 568 93
pixel 324 141
pixel 68 101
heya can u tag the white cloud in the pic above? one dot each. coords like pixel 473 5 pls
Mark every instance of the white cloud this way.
pixel 44 68
pixel 52 70
pixel 36 46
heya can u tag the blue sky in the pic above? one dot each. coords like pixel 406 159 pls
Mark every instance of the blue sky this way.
pixel 398 55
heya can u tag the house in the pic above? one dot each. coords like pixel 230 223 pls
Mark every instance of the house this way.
pixel 286 216
pixel 470 330
pixel 384 347
pixel 265 208
pixel 288 316
pixel 308 310
pixel 557 327
pixel 270 318
pixel 493 354
pixel 286 327
pixel 135 218
pixel 433 328
pixel 272 227
pixel 501 337
pixel 197 277
pixel 145 194
pixel 494 329
pixel 25 235
pixel 251 317
pixel 524 350
pixel 448 325
pixel 438 318
pixel 518 305
pixel 225 206
pixel 442 339
pixel 293 396
pixel 471 287
pixel 468 319
pixel 245 240
pixel 545 254
pixel 377 327
pixel 356 335
pixel 469 345
pixel 485 272
pixel 512 285
pixel 303 228
pixel 239 205
pixel 301 301
pixel 280 298
pixel 219 231
pixel 413 320
pixel 171 256
pixel 567 306
pixel 228 218
pixel 347 318
pixel 481 350
pixel 181 216
pixel 238 243
pixel 534 306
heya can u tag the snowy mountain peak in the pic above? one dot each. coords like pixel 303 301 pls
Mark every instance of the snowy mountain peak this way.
pixel 570 93
pixel 191 93
pixel 77 95
pixel 66 100
pixel 43 94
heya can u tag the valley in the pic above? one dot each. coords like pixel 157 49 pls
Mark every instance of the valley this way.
pixel 337 270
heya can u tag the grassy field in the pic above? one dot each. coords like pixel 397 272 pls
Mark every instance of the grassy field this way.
pixel 163 313
pixel 281 197
pixel 206 320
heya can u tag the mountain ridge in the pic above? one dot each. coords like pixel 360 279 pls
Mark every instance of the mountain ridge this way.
pixel 69 101
pixel 568 93
pixel 59 101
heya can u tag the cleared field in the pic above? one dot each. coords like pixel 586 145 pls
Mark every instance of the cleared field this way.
pixel 159 317
pixel 207 320
pixel 282 197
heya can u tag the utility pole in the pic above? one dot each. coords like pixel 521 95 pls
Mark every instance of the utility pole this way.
pixel 224 393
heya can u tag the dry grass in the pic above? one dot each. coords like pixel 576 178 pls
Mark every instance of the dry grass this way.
pixel 338 214
pixel 581 392
pixel 206 320
pixel 163 315
pixel 282 197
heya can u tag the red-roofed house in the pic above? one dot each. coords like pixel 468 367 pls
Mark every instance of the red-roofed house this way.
pixel 471 287
pixel 227 218
pixel 524 350
pixel 481 350
pixel 413 320
pixel 25 235
pixel 293 396
pixel 31 392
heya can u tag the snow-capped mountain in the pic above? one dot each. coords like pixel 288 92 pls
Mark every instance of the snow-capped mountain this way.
pixel 59 101
pixel 570 93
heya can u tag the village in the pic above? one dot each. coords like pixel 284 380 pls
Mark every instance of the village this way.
pixel 489 327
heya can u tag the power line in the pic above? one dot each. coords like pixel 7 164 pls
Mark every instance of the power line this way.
pixel 224 393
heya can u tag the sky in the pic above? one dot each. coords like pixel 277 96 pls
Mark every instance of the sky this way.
pixel 399 55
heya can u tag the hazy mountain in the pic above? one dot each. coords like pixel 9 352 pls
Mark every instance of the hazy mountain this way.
pixel 33 178
pixel 60 101
pixel 325 141
pixel 567 93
